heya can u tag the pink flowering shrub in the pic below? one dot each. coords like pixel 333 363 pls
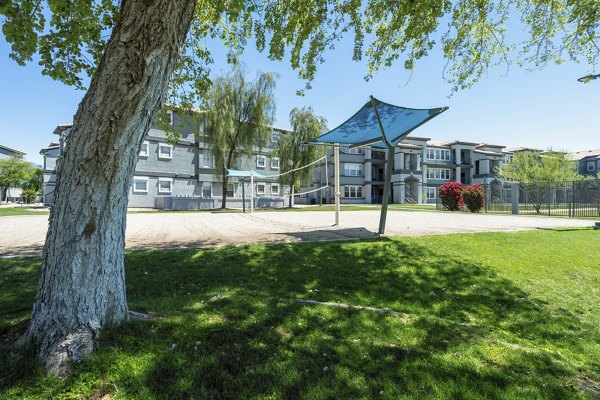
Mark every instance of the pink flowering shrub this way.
pixel 450 194
pixel 473 197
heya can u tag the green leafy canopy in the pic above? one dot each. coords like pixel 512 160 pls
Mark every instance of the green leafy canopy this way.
pixel 69 37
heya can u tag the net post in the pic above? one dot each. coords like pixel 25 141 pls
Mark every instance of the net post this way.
pixel 336 160
pixel 251 192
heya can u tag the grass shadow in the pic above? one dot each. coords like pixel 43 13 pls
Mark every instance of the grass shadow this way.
pixel 225 325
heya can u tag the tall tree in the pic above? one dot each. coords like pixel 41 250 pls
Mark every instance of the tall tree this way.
pixel 13 173
pixel 238 115
pixel 136 51
pixel 539 174
pixel 291 150
pixel 32 186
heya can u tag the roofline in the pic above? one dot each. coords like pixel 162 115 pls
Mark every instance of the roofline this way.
pixel 489 145
pixel 11 149
pixel 421 138
pixel 59 128
pixel 455 142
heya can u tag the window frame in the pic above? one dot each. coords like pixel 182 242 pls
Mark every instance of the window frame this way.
pixel 165 145
pixel 206 152
pixel 589 164
pixel 141 179
pixel 264 162
pixel 349 193
pixel 147 152
pixel 348 171
pixel 278 162
pixel 264 189
pixel 211 189
pixel 232 190
pixel 439 174
pixel 275 192
pixel 431 190
pixel 162 179
pixel 171 119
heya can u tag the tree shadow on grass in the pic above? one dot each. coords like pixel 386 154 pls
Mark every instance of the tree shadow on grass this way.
pixel 226 325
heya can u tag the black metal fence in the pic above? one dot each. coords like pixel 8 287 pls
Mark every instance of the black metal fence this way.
pixel 567 199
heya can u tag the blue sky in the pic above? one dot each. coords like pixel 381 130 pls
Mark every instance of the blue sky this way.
pixel 544 108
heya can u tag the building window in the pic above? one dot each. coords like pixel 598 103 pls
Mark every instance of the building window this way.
pixel 353 169
pixel 274 138
pixel 206 190
pixel 275 189
pixel 207 159
pixel 144 150
pixel 261 161
pixel 591 166
pixel 353 192
pixel 165 185
pixel 507 158
pixel 140 184
pixel 438 173
pixel 170 114
pixel 477 167
pixel 274 163
pixel 165 151
pixel 260 188
pixel 438 154
pixel 230 190
pixel 507 194
pixel 354 151
pixel 431 193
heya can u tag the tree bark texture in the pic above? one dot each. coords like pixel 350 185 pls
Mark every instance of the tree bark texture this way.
pixel 82 284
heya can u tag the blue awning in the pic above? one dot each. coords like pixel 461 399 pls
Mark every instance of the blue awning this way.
pixel 237 173
pixel 364 127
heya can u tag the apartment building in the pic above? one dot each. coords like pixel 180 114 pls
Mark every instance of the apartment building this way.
pixel 182 175
pixel 588 162
pixel 420 167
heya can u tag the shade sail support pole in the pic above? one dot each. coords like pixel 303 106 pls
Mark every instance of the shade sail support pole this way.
pixel 336 161
pixel 387 186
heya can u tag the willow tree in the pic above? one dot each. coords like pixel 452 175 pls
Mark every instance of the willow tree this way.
pixel 238 115
pixel 291 150
pixel 137 51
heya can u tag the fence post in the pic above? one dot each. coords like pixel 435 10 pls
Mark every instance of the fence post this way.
pixel 514 188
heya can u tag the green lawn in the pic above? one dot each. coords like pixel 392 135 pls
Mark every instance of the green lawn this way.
pixel 10 211
pixel 493 315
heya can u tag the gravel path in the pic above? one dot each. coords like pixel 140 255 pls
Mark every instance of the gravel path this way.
pixel 22 235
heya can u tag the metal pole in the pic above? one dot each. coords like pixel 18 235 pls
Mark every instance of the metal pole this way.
pixel 321 185
pixel 336 161
pixel 243 196
pixel 251 192
pixel 386 188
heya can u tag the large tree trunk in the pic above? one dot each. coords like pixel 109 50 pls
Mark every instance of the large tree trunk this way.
pixel 82 285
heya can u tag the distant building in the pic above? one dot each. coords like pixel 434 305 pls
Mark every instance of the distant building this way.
pixel 183 175
pixel 588 161
pixel 12 194
pixel 421 166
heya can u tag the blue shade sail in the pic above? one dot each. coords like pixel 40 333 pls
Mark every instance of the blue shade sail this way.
pixel 243 173
pixel 363 128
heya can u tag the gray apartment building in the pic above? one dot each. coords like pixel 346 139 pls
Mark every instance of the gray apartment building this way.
pixel 182 175
pixel 588 161
pixel 6 153
pixel 421 166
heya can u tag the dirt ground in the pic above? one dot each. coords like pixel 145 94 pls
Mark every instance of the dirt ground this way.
pixel 24 235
